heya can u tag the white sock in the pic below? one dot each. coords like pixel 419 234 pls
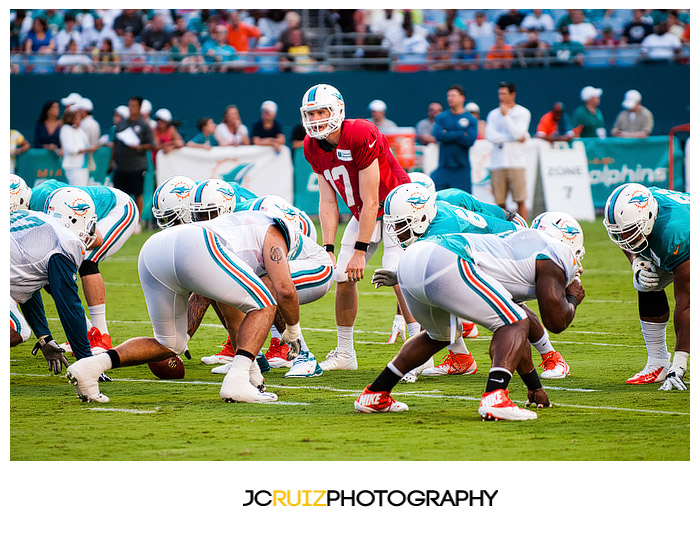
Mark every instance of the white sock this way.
pixel 458 347
pixel 413 328
pixel 104 361
pixel 98 316
pixel 345 341
pixel 655 340
pixel 274 332
pixel 543 346
pixel 88 323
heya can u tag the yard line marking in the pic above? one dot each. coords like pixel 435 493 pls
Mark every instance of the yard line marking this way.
pixel 574 389
pixel 124 410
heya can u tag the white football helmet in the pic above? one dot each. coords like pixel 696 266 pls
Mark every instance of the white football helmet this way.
pixel 322 97
pixel 629 216
pixel 20 193
pixel 408 210
pixel 212 198
pixel 564 228
pixel 75 210
pixel 421 178
pixel 171 201
pixel 289 223
pixel 299 217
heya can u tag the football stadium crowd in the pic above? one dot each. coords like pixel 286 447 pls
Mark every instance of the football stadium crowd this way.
pixel 201 40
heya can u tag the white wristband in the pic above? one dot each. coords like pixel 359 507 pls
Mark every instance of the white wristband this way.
pixel 293 331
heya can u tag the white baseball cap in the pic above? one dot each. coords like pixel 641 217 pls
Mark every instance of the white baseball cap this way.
pixel 71 99
pixel 589 92
pixel 632 98
pixel 472 107
pixel 122 110
pixel 83 104
pixel 164 115
pixel 146 107
pixel 269 106
pixel 377 105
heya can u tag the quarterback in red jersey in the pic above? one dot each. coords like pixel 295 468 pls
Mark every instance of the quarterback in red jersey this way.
pixel 351 158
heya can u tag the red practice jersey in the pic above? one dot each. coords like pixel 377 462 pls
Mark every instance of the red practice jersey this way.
pixel 360 143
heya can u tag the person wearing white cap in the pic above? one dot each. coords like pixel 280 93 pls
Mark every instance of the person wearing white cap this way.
pixel 71 99
pixel 588 118
pixel 473 108
pixel 146 109
pixel 165 135
pixel 88 125
pixel 635 120
pixel 377 110
pixel 267 130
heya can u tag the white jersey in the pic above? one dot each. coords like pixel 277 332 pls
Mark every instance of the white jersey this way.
pixel 34 238
pixel 511 259
pixel 243 233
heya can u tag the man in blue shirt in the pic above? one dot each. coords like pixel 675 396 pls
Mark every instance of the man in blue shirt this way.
pixel 455 130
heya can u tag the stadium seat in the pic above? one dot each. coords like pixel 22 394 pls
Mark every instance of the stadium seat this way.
pixel 626 56
pixel 410 63
pixel 593 57
pixel 40 64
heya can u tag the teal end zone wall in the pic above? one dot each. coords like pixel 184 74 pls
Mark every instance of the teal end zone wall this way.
pixel 665 90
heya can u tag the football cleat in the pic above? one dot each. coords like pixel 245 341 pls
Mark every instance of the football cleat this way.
pixel 262 363
pixel 236 387
pixel 649 374
pixel 412 376
pixel 84 375
pixel 554 366
pixel 224 356
pixel 497 406
pixel 304 366
pixel 469 330
pixel 336 360
pixel 381 402
pixel 277 354
pixel 453 364
pixel 222 369
pixel 99 342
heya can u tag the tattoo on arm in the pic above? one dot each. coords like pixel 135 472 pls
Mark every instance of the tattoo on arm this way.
pixel 276 254
pixel 196 308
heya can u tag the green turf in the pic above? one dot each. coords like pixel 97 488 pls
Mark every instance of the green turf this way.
pixel 603 419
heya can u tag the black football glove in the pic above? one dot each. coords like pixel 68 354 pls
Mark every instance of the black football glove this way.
pixel 53 354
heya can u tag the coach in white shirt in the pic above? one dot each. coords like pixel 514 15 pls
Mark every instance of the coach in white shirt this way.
pixel 507 128
pixel 75 146
pixel 89 126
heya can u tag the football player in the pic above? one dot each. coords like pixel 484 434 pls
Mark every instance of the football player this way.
pixel 353 159
pixel 221 259
pixel 20 193
pixel 652 227
pixel 482 278
pixel 46 249
pixel 117 219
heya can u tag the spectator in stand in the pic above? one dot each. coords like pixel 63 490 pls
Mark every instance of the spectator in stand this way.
pixel 377 111
pixel 206 36
pixel 231 131
pixel 511 20
pixel 555 125
pixel 190 52
pixel 218 51
pixel 500 55
pixel 385 21
pixel 613 20
pixel 205 139
pixel 481 27
pixel 131 20
pixel 165 135
pixel 268 131
pixel 155 36
pixel 587 118
pixel 47 128
pixel 53 18
pixel 565 20
pixel 292 20
pixel 106 58
pixel 133 53
pixel 18 145
pixel 467 55
pixel 531 51
pixel 75 147
pixel 473 108
pixel 413 45
pixel 686 34
pixel 241 36
pixel 660 46
pixel 453 28
pixel 675 26
pixel 635 120
pixel 607 38
pixel 580 29
pixel 567 52
pixel 73 61
pixel 17 30
pixel 538 20
pixel 39 39
pixel 271 25
pixel 298 54
pixel 441 54
pixel 425 127
pixel 507 128
pixel 180 26
pixel 455 130
pixel 96 34
pixel 69 33
pixel 637 29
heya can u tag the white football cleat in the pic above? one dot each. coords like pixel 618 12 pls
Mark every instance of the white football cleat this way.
pixel 221 369
pixel 225 355
pixel 84 376
pixel 236 386
pixel 412 376
pixel 381 402
pixel 398 327
pixel 555 366
pixel 496 406
pixel 304 366
pixel 336 360
pixel 470 330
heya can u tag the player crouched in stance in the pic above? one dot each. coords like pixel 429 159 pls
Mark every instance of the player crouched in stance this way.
pixel 652 227
pixel 47 249
pixel 220 259
pixel 481 278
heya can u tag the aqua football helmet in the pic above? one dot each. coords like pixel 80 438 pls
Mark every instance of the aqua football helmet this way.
pixel 408 211
pixel 75 210
pixel 212 198
pixel 322 97
pixel 171 201
pixel 564 228
pixel 629 216
pixel 20 193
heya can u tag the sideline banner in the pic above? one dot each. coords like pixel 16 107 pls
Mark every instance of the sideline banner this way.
pixel 256 168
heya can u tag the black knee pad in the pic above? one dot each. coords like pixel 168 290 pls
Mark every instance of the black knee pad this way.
pixel 653 304
pixel 88 268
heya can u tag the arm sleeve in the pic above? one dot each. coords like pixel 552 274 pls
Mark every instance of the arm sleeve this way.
pixel 33 311
pixel 442 135
pixel 518 124
pixel 68 304
pixel 492 134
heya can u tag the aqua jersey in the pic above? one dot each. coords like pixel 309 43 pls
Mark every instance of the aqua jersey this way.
pixel 460 198
pixel 308 228
pixel 452 219
pixel 241 193
pixel 669 241
pixel 103 197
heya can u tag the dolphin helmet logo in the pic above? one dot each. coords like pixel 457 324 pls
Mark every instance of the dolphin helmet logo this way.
pixel 417 201
pixel 79 207
pixel 14 187
pixel 640 199
pixel 568 231
pixel 227 193
pixel 181 190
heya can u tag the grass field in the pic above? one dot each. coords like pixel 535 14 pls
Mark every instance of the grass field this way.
pixel 596 416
